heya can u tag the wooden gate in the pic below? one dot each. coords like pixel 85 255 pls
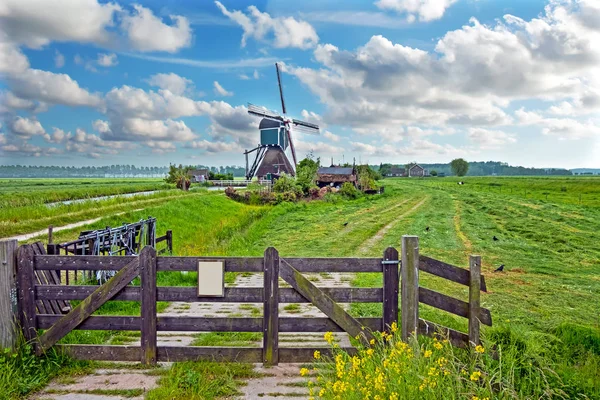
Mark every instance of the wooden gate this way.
pixel 291 270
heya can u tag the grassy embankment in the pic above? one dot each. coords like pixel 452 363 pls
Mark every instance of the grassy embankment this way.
pixel 548 248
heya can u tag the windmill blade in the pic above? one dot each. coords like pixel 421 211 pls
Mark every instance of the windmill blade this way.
pixel 263 112
pixel 305 125
pixel 280 88
pixel 289 135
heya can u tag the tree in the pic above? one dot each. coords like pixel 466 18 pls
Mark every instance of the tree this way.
pixel 459 166
pixel 306 173
pixel 433 172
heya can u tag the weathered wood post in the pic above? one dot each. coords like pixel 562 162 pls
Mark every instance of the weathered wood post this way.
pixel 8 294
pixel 391 281
pixel 148 293
pixel 474 299
pixel 410 286
pixel 170 241
pixel 271 307
pixel 26 293
pixel 50 230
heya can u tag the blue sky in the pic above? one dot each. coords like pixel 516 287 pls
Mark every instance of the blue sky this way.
pixel 149 83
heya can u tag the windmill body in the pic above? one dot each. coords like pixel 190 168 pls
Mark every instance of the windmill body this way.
pixel 275 139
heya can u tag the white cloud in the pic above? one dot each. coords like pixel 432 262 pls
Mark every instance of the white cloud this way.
pixel 59 59
pixel 220 90
pixel 215 147
pixel 331 136
pixel 424 10
pixel 9 103
pixel 286 32
pixel 137 129
pixel 58 136
pixel 174 83
pixel 147 32
pixel 12 60
pixel 107 60
pixel 26 128
pixel 161 147
pixel 490 139
pixel 256 75
pixel 218 64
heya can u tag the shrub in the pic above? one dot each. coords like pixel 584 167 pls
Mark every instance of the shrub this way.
pixel 348 190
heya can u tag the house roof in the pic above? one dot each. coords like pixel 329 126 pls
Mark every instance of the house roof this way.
pixel 275 162
pixel 267 123
pixel 397 170
pixel 416 165
pixel 335 171
pixel 194 172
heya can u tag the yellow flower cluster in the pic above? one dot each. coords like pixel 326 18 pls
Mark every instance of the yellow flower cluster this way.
pixel 475 376
pixel 329 338
pixel 479 349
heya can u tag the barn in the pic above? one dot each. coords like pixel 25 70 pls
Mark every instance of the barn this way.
pixel 335 176
pixel 198 175
pixel 417 171
pixel 396 171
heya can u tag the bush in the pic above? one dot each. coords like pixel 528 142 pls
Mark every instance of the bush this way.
pixel 349 191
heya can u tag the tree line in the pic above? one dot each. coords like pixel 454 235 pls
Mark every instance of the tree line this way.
pixel 479 168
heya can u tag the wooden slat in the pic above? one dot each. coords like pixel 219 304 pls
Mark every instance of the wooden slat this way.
pixel 192 353
pixel 270 354
pixel 147 262
pixel 410 286
pixel 451 305
pixel 323 302
pixel 26 291
pixel 474 299
pixel 89 305
pixel 204 324
pixel 232 264
pixel 391 283
pixel 232 295
pixel 447 271
pixel 456 338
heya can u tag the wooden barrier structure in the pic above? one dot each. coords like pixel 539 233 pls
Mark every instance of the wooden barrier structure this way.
pixel 273 266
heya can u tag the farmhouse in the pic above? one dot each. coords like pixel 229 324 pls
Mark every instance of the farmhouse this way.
pixel 417 171
pixel 396 171
pixel 198 175
pixel 335 176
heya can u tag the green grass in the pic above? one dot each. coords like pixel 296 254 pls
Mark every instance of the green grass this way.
pixel 242 339
pixel 201 381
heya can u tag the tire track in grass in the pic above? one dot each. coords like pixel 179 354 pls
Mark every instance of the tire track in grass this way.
pixel 369 243
pixel 457 222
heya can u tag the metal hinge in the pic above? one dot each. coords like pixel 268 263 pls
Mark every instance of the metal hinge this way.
pixel 386 262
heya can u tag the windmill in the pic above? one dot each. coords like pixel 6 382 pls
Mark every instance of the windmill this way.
pixel 275 138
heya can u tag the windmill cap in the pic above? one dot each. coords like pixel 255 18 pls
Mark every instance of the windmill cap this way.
pixel 267 123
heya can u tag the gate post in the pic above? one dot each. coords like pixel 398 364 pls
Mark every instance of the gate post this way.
pixel 147 259
pixel 474 299
pixel 410 286
pixel 26 291
pixel 8 294
pixel 271 307
pixel 391 281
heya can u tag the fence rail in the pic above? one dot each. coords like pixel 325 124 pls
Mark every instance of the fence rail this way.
pixel 394 294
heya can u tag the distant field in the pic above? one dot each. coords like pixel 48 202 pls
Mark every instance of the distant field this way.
pixel 26 192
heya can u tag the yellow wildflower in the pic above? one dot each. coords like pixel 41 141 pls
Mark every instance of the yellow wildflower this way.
pixel 328 337
pixel 304 372
pixel 427 353
pixel 479 348
pixel 437 345
pixel 372 341
pixel 370 352
pixel 475 376
pixel 475 398
pixel 394 395
pixel 317 354
pixel 394 328
pixel 322 393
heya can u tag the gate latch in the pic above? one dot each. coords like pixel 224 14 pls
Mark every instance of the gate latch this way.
pixel 387 262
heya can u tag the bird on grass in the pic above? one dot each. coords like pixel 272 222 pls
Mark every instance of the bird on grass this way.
pixel 495 239
pixel 427 229
pixel 500 268
pixel 345 223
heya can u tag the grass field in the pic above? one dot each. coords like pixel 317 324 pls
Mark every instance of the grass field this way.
pixel 550 289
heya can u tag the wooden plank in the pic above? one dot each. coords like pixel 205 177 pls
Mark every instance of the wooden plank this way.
pixel 391 283
pixel 451 305
pixel 170 241
pixel 323 302
pixel 85 263
pixel 205 324
pixel 26 292
pixel 221 354
pixel 232 264
pixel 456 338
pixel 410 286
pixel 100 352
pixel 9 312
pixel 474 299
pixel 232 295
pixel 447 271
pixel 270 354
pixel 148 293
pixel 84 309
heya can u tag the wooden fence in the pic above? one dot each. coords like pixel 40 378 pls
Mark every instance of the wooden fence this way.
pixel 273 267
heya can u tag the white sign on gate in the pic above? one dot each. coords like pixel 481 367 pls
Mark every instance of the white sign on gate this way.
pixel 211 278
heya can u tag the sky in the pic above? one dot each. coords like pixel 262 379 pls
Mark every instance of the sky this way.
pixel 88 82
